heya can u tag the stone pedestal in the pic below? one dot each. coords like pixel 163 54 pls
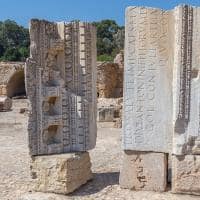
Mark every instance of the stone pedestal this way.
pixel 144 171
pixel 186 174
pixel 62 173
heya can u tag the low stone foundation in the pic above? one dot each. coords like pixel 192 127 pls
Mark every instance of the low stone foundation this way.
pixel 186 174
pixel 110 110
pixel 144 171
pixel 61 174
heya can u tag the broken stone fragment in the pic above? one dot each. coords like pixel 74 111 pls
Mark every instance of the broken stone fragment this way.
pixel 186 174
pixel 61 173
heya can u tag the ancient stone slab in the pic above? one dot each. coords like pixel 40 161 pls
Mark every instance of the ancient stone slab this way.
pixel 187 82
pixel 61 86
pixel 144 171
pixel 148 77
pixel 5 103
pixel 62 173
pixel 186 174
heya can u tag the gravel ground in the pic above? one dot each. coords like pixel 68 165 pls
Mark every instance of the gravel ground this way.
pixel 15 182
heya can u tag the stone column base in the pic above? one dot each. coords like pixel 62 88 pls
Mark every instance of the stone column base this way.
pixel 144 171
pixel 61 173
pixel 186 174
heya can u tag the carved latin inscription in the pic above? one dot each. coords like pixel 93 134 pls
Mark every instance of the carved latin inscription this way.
pixel 147 90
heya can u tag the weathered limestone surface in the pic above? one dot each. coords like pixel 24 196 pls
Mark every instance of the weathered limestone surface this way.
pixel 61 86
pixel 162 83
pixel 7 69
pixel 62 173
pixel 144 171
pixel 162 88
pixel 5 103
pixel 186 98
pixel 109 80
pixel 187 83
pixel 12 79
pixel 147 124
pixel 186 174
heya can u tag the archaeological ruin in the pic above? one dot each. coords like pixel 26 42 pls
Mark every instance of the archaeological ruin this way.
pixel 12 83
pixel 12 79
pixel 110 91
pixel 76 107
pixel 161 99
pixel 60 84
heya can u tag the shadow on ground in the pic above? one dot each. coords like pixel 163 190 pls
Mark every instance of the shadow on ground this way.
pixel 98 183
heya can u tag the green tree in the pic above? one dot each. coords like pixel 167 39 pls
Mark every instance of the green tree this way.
pixel 14 41
pixel 11 54
pixel 110 39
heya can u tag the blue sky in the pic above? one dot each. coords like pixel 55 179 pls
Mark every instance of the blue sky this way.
pixel 86 10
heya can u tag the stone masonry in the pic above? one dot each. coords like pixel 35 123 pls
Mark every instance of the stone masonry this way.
pixel 61 86
pixel 60 77
pixel 139 171
pixel 9 81
pixel 109 80
pixel 110 91
pixel 186 99
pixel 161 93
pixel 62 173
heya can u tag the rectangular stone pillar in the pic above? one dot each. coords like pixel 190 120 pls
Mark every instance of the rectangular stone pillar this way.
pixel 186 87
pixel 61 86
pixel 60 83
pixel 148 80
pixel 147 122
pixel 162 91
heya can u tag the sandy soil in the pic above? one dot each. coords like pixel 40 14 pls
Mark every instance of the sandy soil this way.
pixel 15 182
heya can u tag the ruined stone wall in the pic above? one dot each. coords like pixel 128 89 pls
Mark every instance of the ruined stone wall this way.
pixel 8 81
pixel 61 86
pixel 110 91
pixel 109 80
